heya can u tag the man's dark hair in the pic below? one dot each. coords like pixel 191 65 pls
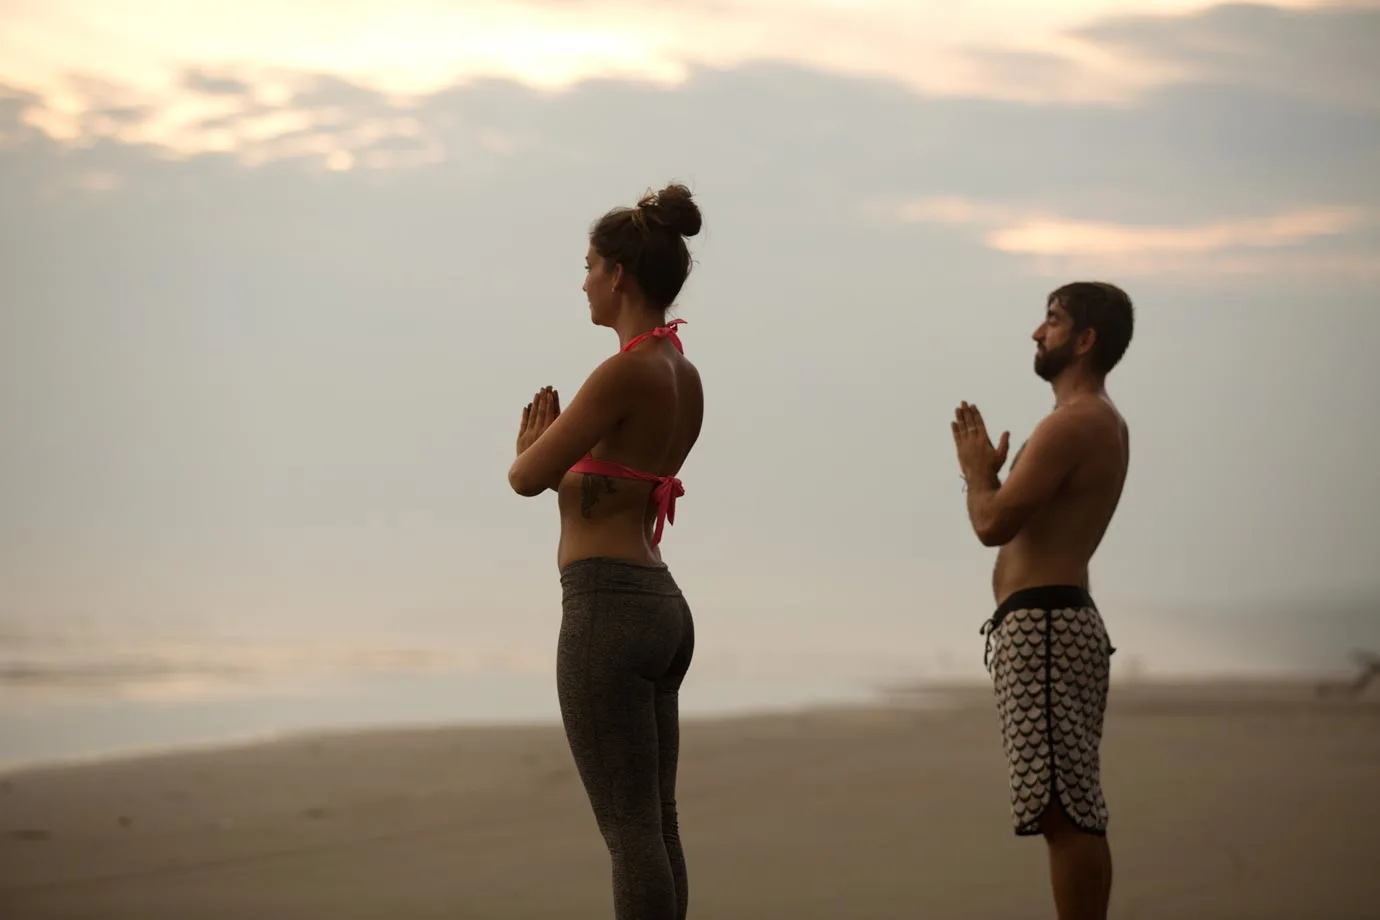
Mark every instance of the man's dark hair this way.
pixel 1104 308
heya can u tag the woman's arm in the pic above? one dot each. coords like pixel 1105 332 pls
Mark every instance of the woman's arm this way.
pixel 600 404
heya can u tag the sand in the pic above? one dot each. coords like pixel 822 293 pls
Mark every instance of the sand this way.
pixel 1253 803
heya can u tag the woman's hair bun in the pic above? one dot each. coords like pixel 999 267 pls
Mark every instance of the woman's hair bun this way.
pixel 674 207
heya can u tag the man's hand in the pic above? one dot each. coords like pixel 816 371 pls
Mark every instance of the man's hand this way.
pixel 537 416
pixel 978 460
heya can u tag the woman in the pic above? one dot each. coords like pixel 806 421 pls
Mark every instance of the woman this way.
pixel 627 635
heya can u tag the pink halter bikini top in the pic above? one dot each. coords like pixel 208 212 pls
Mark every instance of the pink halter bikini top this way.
pixel 668 488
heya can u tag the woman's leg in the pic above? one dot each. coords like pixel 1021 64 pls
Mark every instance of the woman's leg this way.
pixel 613 655
pixel 668 736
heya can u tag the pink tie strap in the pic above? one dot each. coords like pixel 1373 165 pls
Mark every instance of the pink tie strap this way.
pixel 668 488
pixel 667 331
pixel 666 492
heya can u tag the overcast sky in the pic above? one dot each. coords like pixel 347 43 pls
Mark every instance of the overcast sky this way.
pixel 276 280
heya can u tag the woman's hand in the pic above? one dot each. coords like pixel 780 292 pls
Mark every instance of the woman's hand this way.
pixel 537 416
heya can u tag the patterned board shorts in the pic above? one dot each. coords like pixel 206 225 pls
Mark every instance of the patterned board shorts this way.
pixel 1048 655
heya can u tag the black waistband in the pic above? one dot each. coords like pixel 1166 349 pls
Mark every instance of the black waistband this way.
pixel 1041 597
pixel 599 573
pixel 1044 597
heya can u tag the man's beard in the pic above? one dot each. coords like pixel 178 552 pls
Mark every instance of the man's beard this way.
pixel 1050 362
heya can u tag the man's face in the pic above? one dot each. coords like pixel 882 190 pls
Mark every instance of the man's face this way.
pixel 1054 343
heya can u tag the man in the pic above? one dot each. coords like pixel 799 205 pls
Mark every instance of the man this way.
pixel 1047 645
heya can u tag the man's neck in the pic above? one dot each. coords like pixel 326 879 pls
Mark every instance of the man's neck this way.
pixel 1072 386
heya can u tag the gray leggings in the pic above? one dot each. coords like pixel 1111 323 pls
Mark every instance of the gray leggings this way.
pixel 626 642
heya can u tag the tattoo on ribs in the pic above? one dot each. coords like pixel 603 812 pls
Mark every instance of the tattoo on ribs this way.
pixel 591 486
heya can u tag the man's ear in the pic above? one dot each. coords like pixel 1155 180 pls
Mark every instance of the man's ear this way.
pixel 1087 340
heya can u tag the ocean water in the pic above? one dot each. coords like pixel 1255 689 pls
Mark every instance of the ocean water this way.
pixel 80 693
pixel 74 699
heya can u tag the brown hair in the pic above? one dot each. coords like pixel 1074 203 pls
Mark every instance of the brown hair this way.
pixel 1104 308
pixel 649 241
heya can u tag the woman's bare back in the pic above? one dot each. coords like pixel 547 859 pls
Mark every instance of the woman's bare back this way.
pixel 612 517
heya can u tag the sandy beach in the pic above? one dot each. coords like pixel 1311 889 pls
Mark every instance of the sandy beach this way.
pixel 1249 802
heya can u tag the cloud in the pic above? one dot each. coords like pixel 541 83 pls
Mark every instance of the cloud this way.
pixel 1054 236
pixel 1118 75
pixel 1197 171
pixel 281 116
pixel 1194 175
pixel 14 129
pixel 1359 266
pixel 1007 49
pixel 209 84
pixel 1328 53
pixel 1009 229
pixel 1225 171
pixel 1056 245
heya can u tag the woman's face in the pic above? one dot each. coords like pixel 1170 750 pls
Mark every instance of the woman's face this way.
pixel 601 288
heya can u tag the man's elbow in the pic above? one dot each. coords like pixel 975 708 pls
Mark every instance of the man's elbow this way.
pixel 996 532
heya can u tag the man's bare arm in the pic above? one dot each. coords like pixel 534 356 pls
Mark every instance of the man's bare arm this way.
pixel 999 510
